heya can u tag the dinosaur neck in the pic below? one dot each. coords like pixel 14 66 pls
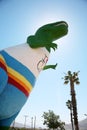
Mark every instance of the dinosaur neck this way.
pixel 47 48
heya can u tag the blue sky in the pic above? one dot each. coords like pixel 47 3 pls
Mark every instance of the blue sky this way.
pixel 21 18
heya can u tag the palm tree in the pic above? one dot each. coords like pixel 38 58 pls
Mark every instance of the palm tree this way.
pixel 69 105
pixel 72 78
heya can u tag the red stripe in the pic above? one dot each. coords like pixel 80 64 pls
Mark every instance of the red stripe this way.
pixel 17 85
pixel 3 66
pixel 12 81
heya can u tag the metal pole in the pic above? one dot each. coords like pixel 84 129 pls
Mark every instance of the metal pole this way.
pixel 34 122
pixel 25 120
pixel 31 122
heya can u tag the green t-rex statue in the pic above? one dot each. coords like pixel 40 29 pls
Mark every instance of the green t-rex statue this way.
pixel 20 66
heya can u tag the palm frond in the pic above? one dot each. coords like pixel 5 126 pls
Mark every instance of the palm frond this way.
pixel 77 82
pixel 66 82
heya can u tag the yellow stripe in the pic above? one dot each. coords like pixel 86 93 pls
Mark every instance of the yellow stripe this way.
pixel 1 57
pixel 20 82
pixel 20 77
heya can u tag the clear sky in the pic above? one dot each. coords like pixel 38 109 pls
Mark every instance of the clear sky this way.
pixel 21 18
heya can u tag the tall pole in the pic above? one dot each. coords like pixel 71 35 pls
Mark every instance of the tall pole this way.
pixel 25 120
pixel 34 122
pixel 31 122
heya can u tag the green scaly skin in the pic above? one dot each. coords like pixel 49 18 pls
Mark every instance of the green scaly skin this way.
pixel 46 35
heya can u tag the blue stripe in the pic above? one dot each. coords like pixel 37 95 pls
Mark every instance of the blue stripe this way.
pixel 19 67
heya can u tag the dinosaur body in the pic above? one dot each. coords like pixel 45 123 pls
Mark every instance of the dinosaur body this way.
pixel 20 66
pixel 19 75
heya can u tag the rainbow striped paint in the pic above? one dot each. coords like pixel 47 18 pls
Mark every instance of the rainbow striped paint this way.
pixel 17 73
pixel 16 83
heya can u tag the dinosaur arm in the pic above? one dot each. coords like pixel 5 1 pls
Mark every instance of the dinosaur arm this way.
pixel 50 67
pixel 51 45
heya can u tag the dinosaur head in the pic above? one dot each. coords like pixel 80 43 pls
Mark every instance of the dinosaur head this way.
pixel 47 34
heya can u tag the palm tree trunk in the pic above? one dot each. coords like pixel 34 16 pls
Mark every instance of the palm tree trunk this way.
pixel 74 105
pixel 71 119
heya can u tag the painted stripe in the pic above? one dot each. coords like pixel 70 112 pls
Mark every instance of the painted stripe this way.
pixel 19 86
pixel 15 78
pixel 19 67
pixel 2 63
pixel 19 81
pixel 18 76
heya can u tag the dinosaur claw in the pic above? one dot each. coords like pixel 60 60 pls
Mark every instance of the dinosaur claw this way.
pixel 54 46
